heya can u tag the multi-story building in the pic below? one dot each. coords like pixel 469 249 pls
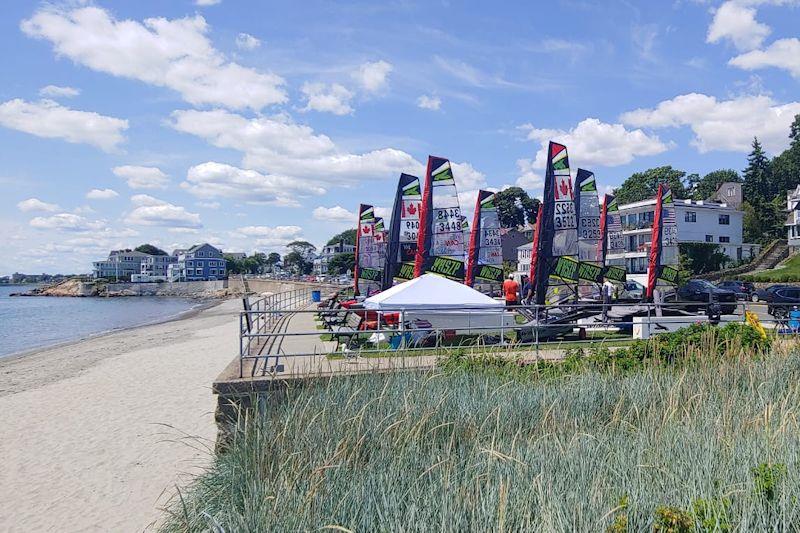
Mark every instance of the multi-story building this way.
pixel 327 252
pixel 201 262
pixel 155 266
pixel 120 264
pixel 699 221
pixel 793 219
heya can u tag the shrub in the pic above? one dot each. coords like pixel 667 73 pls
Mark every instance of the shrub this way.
pixel 672 520
pixel 767 479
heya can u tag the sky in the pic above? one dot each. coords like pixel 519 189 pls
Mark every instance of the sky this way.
pixel 249 124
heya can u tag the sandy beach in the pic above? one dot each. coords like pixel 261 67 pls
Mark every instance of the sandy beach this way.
pixel 97 434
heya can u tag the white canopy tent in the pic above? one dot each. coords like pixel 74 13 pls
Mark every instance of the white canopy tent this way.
pixel 430 291
pixel 445 304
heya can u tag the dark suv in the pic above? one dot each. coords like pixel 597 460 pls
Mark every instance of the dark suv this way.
pixel 744 289
pixel 782 300
pixel 703 292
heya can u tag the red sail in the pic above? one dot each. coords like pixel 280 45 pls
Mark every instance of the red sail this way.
pixel 423 237
pixel 535 248
pixel 472 254
pixel 655 243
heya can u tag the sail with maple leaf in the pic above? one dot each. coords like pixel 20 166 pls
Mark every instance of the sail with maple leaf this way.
pixel 587 206
pixel 663 264
pixel 612 243
pixel 485 255
pixel 403 231
pixel 440 242
pixel 368 264
pixel 557 252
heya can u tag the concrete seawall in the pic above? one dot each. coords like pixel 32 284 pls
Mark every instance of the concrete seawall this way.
pixel 185 289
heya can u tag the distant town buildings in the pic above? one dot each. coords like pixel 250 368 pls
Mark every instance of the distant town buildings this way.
pixel 199 263
pixel 327 252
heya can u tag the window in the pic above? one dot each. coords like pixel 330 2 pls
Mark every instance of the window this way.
pixel 731 192
pixel 709 238
pixel 189 263
pixel 724 239
pixel 690 216
pixel 199 254
pixel 725 220
pixel 213 271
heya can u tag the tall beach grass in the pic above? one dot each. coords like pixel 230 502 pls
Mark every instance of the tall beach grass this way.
pixel 709 445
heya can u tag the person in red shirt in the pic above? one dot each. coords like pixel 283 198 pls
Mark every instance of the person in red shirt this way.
pixel 511 291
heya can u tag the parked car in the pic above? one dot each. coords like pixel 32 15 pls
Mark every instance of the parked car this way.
pixel 782 300
pixel 703 292
pixel 631 290
pixel 744 290
pixel 762 295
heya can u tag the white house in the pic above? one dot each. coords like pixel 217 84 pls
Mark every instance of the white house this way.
pixel 793 219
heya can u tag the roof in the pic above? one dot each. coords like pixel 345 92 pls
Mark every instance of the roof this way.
pixel 430 291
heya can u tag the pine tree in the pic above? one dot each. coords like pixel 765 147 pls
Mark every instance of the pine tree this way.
pixel 757 187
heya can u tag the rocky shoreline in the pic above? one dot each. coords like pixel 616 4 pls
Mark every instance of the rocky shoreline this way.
pixel 77 288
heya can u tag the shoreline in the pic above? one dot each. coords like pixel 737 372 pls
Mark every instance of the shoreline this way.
pixel 100 433
pixel 202 305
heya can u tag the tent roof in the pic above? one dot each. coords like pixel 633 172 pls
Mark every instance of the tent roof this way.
pixel 430 291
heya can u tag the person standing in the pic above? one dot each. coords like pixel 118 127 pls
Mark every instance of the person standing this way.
pixel 526 291
pixel 511 291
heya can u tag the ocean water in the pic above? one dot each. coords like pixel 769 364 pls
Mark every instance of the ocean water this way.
pixel 39 321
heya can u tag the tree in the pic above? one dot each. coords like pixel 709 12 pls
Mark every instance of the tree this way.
pixel 341 263
pixel 304 248
pixel 295 261
pixel 757 188
pixel 701 257
pixel 786 167
pixel 705 187
pixel 348 236
pixel 150 249
pixel 644 185
pixel 763 221
pixel 515 207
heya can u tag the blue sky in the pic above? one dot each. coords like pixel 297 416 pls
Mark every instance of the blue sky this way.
pixel 250 125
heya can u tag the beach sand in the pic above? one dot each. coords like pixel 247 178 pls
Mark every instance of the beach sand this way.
pixel 96 435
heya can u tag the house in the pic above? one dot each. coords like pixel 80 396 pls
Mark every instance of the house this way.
pixel 154 267
pixel 698 221
pixel 236 255
pixel 201 262
pixel 512 238
pixel 120 264
pixel 793 219
pixel 327 252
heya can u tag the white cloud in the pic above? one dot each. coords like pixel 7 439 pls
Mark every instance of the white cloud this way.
pixel 592 142
pixel 50 119
pixel 208 205
pixel 271 237
pixel 373 76
pixel 722 125
pixel 218 180
pixel 150 211
pixel 280 147
pixel 101 194
pixel 334 214
pixel 245 41
pixel 783 54
pixel 142 177
pixel 528 178
pixel 736 21
pixel 34 204
pixel 332 98
pixel 176 54
pixel 54 91
pixel 467 177
pixel 206 2
pixel 66 222
pixel 434 103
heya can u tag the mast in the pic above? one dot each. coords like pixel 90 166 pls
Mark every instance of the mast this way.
pixel 440 242
pixel 557 261
pixel 401 247
pixel 485 256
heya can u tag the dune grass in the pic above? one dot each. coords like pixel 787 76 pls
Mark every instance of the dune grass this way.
pixel 707 441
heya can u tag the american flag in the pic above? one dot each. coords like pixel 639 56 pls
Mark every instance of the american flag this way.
pixel 614 223
pixel 669 216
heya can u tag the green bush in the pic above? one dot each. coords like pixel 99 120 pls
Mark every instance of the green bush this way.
pixel 767 479
pixel 672 520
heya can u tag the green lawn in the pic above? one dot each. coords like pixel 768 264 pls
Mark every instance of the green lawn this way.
pixel 788 271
